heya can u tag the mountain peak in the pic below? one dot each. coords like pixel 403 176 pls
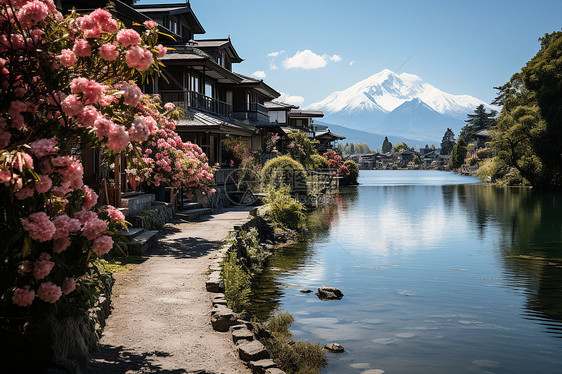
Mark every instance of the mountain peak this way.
pixel 386 90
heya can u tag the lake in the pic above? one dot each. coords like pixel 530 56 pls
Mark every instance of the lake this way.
pixel 441 274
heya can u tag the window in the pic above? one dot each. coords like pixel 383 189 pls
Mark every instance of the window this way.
pixel 221 60
pixel 194 83
pixel 173 25
pixel 208 89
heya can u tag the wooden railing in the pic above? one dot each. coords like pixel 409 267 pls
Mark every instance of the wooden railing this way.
pixel 190 99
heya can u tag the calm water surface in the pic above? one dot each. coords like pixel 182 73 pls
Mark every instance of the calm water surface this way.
pixel 440 274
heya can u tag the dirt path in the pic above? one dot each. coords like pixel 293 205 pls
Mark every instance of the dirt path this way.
pixel 161 317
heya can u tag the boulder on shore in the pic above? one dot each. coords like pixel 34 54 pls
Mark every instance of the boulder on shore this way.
pixel 334 347
pixel 222 318
pixel 329 293
pixel 251 351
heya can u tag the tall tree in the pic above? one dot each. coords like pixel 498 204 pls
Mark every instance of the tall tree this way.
pixel 386 145
pixel 448 142
pixel 477 121
pixel 458 155
pixel 529 128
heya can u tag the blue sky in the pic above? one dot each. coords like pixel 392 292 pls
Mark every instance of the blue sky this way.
pixel 461 47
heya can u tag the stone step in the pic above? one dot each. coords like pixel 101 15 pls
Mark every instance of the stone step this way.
pixel 132 233
pixel 192 206
pixel 141 243
pixel 190 215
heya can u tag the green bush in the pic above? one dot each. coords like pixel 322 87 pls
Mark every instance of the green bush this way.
pixel 293 357
pixel 237 283
pixel 284 210
pixel 474 161
pixel 353 173
pixel 249 249
pixel 301 148
pixel 284 172
pixel 318 163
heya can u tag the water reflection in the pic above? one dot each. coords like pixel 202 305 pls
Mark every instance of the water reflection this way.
pixel 530 243
pixel 468 273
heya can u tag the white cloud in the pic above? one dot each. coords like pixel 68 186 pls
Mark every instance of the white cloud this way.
pixel 305 60
pixel 351 63
pixel 260 74
pixel 275 54
pixel 272 65
pixel 335 58
pixel 294 100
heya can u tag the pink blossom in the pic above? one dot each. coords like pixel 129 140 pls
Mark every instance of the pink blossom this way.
pixel 23 297
pixel 102 245
pixel 150 24
pixel 32 13
pixel 131 95
pixel 85 215
pixel 115 213
pixel 117 139
pixel 49 292
pixel 161 50
pixel 43 147
pixel 92 90
pixel 37 35
pixel 82 48
pixel 65 225
pixel 139 58
pixel 128 37
pixel 88 116
pixel 72 105
pixel 90 197
pixel 139 131
pixel 67 57
pixel 110 26
pixel 93 228
pixel 169 106
pixel 60 245
pixel 42 266
pixel 21 160
pixel 73 174
pixel 68 286
pixel 44 184
pixel 108 52
pixel 24 193
pixel 103 127
pixel 39 226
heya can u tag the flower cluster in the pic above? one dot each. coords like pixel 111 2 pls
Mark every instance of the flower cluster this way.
pixel 165 158
pixel 66 85
pixel 336 164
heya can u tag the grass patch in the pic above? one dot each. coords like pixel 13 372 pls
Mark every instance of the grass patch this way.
pixel 293 357
pixel 237 283
pixel 119 264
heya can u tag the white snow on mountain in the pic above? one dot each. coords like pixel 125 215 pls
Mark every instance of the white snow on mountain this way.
pixel 386 90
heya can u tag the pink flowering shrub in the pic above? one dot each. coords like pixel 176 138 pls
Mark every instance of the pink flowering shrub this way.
pixel 66 85
pixel 165 158
pixel 336 163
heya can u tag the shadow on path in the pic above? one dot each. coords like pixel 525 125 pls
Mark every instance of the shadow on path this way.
pixel 117 360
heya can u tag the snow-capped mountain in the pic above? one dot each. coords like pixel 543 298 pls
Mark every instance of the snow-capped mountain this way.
pixel 423 111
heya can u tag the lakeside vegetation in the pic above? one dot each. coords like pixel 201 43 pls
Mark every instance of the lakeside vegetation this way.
pixel 525 139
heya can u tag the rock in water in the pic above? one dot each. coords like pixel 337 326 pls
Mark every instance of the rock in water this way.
pixel 329 293
pixel 306 291
pixel 334 347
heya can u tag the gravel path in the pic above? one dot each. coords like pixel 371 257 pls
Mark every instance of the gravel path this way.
pixel 161 317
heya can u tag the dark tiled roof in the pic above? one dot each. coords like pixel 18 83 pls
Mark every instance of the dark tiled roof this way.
pixel 279 105
pixel 306 113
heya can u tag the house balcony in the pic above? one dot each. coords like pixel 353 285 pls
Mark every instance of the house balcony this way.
pixel 255 112
pixel 190 99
